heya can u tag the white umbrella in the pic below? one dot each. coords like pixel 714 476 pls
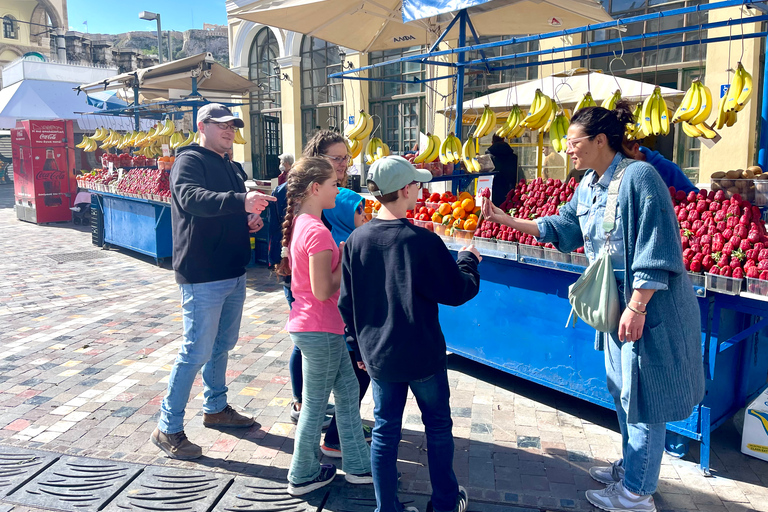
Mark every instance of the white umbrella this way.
pixel 372 25
pixel 568 88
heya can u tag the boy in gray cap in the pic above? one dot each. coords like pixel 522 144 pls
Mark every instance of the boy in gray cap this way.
pixel 399 333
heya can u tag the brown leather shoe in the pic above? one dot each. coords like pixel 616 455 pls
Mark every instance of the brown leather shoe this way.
pixel 228 418
pixel 176 446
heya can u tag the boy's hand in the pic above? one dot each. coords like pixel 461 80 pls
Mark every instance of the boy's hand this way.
pixel 256 202
pixel 361 365
pixel 471 248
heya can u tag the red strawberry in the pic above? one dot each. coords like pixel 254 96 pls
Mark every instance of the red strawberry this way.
pixel 715 270
pixel 691 196
pixel 701 206
pixel 735 241
pixel 680 196
pixel 695 266
pixel 686 264
pixel 719 195
pixel 726 272
pixel 711 195
pixel 735 263
pixel 764 275
pixel 727 248
pixel 693 215
pixel 672 191
pixel 738 273
pixel 756 213
pixel 753 272
pixel 753 236
pixel 724 260
pixel 741 230
pixel 688 253
pixel 736 199
pixel 727 234
pixel 762 255
pixel 721 226
pixel 706 239
pixel 706 249
pixel 707 262
pixel 732 222
pixel 745 245
pixel 762 265
pixel 714 206
pixel 702 194
pixel 717 246
pixel 683 215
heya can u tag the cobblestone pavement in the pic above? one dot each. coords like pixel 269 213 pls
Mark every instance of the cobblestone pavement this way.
pixel 87 347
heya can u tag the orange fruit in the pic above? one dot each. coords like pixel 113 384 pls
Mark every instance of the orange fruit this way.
pixel 367 209
pixel 458 213
pixel 458 224
pixel 456 204
pixel 470 225
pixel 436 217
pixel 465 195
pixel 376 205
pixel 447 220
pixel 473 217
pixel 476 210
pixel 468 204
pixel 368 216
pixel 444 209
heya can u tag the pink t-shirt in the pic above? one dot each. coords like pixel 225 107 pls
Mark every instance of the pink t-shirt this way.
pixel 310 236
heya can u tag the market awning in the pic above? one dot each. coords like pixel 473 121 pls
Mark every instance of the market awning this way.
pixel 155 82
pixel 372 25
pixel 46 100
pixel 569 87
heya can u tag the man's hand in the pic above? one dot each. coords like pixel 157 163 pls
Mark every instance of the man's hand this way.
pixel 361 365
pixel 471 248
pixel 255 222
pixel 256 202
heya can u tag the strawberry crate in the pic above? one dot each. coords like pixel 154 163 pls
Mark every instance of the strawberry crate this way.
pixel 580 259
pixel 530 251
pixel 699 282
pixel 555 255
pixel 723 284
pixel 758 287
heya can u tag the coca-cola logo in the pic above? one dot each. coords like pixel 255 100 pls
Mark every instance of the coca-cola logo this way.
pixel 50 175
pixel 49 136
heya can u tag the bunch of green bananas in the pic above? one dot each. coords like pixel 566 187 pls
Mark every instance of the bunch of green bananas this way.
pixel 558 131
pixel 540 111
pixel 512 127
pixel 469 155
pixel 375 150
pixel 487 123
pixel 655 116
pixel 634 130
pixel 586 101
pixel 429 153
pixel 610 103
pixel 362 127
pixel 450 150
pixel 696 105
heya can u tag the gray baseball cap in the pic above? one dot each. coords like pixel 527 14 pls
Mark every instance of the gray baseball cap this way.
pixel 217 113
pixel 392 173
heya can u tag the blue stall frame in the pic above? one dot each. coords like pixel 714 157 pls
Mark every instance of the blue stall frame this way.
pixel 141 225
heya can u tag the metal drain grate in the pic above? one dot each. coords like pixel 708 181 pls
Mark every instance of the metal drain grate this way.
pixel 76 483
pixel 260 495
pixel 171 489
pixel 78 256
pixel 18 465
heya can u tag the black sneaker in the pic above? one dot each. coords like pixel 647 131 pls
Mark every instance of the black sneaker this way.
pixel 363 478
pixel 326 476
pixel 462 501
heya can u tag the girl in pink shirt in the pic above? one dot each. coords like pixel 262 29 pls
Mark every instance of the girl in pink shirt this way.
pixel 311 258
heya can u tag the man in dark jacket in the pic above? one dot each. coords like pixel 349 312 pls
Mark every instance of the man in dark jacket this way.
pixel 211 246
pixel 505 161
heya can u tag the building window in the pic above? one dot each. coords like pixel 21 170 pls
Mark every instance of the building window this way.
pixel 261 71
pixel 478 82
pixel 321 97
pixel 10 27
pixel 398 108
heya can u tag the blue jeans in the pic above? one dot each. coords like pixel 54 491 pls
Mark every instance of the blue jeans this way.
pixel 642 443
pixel 325 367
pixel 433 395
pixel 211 317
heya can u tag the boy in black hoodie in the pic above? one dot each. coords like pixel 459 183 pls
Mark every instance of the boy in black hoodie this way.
pixel 210 221
pixel 393 277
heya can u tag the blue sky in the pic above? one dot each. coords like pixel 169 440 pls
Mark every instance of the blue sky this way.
pixel 112 17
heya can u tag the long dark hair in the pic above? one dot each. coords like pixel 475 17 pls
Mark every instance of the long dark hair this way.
pixel 611 123
pixel 307 171
pixel 319 144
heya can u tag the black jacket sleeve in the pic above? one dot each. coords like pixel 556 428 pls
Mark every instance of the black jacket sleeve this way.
pixel 345 291
pixel 446 281
pixel 189 187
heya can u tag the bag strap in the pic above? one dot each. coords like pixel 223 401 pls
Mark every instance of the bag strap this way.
pixel 611 204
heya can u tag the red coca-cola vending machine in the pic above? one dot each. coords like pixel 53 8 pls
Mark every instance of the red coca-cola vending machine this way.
pixel 43 170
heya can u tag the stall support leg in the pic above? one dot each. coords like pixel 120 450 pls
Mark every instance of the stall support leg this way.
pixel 762 155
pixel 706 444
pixel 460 75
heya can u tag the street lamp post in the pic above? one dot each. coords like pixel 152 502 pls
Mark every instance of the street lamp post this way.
pixel 146 15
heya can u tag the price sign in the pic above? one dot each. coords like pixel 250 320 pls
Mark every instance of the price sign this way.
pixel 111 166
pixel 166 150
pixel 482 183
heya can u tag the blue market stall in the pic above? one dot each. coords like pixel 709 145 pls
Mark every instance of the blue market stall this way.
pixel 516 323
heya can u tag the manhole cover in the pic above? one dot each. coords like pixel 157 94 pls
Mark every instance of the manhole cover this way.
pixel 18 465
pixel 171 489
pixel 260 495
pixel 78 256
pixel 76 483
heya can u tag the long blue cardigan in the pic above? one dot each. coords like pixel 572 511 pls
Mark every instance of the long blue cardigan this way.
pixel 668 357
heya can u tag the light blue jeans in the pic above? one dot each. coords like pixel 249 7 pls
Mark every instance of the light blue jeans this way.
pixel 642 443
pixel 211 317
pixel 326 366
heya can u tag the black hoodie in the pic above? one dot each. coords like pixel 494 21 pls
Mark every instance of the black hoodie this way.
pixel 210 225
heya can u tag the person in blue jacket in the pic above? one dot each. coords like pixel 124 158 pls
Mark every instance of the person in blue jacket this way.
pixel 672 175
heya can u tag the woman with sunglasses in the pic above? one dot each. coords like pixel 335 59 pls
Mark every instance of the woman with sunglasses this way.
pixel 653 361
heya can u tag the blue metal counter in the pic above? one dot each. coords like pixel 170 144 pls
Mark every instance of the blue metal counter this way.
pixel 517 324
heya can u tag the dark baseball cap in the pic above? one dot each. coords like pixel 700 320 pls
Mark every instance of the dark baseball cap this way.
pixel 217 113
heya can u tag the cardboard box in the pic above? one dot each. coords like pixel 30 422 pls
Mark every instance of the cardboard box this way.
pixel 754 439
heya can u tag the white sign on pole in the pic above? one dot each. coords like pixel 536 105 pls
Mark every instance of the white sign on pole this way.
pixel 483 182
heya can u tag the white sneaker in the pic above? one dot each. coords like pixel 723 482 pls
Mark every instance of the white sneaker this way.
pixel 615 498
pixel 608 474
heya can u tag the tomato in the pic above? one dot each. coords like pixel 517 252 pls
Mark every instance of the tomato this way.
pixel 423 209
pixel 423 216
pixel 435 197
pixel 430 211
pixel 409 214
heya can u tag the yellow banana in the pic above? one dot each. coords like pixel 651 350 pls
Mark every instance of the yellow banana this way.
pixel 706 131
pixel 690 130
pixel 487 123
pixel 695 103
pixel 586 101
pixel 734 91
pixel 190 138
pixel 685 104
pixel 746 89
pixel 359 127
pixel 722 115
pixel 663 114
pixel 731 119
pixel 705 107
pixel 425 151
pixel 610 103
pixel 239 139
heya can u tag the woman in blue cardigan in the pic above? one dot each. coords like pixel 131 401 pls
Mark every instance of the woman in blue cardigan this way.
pixel 654 360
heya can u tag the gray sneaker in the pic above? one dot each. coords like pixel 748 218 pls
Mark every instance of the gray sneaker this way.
pixel 176 446
pixel 615 498
pixel 608 474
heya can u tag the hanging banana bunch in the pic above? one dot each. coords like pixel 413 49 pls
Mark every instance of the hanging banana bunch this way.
pixel 696 105
pixel 487 123
pixel 558 131
pixel 655 116
pixel 610 103
pixel 540 111
pixel 362 127
pixel 586 101
pixel 354 147
pixel 430 152
pixel 239 139
pixel 512 125
pixel 739 91
pixel 469 155
pixel 634 130
pixel 375 150
pixel 450 150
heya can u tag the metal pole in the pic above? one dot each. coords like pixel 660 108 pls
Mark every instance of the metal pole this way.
pixel 460 74
pixel 170 47
pixel 159 41
pixel 136 105
pixel 762 154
